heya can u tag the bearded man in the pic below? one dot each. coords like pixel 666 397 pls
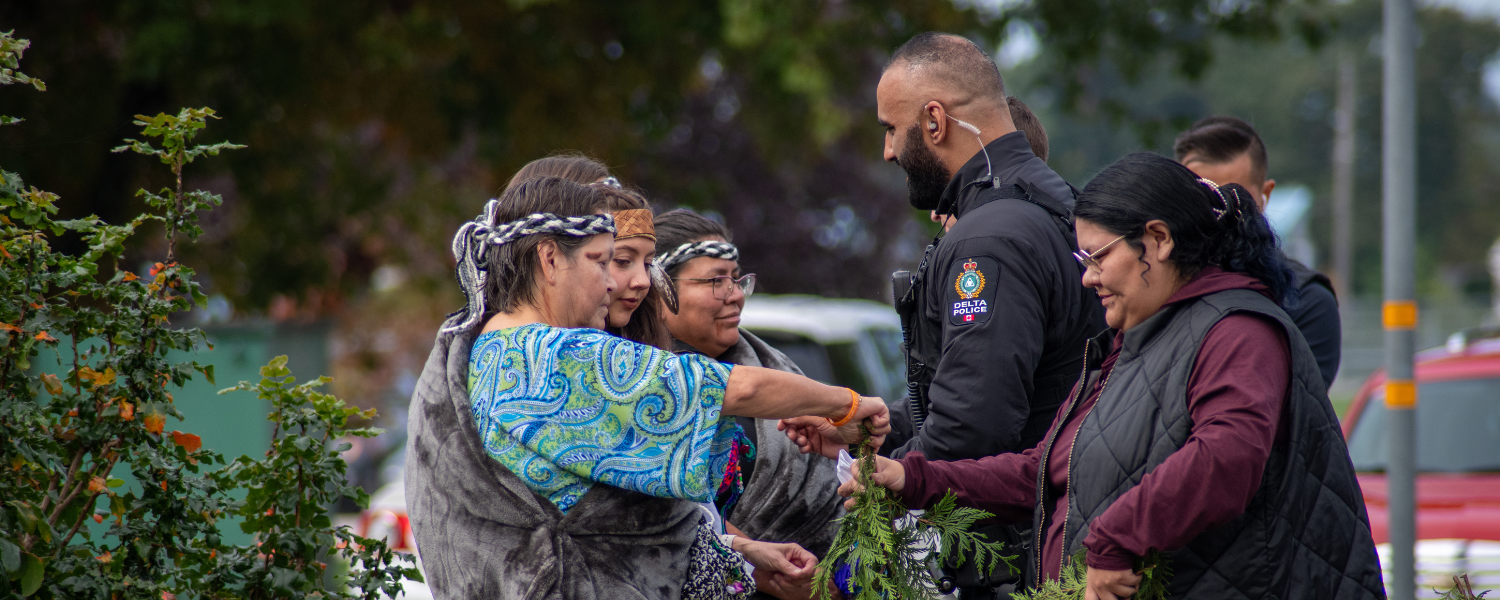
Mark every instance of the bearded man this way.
pixel 996 314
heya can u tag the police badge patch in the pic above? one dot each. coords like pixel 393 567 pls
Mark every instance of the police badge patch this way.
pixel 970 282
pixel 969 302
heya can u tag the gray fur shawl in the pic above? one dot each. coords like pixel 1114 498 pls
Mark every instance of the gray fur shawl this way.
pixel 791 497
pixel 483 534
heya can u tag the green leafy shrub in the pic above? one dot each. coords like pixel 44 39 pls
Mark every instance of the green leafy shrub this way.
pixel 289 495
pixel 67 423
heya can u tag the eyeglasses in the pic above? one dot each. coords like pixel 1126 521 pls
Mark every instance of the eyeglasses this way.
pixel 1090 260
pixel 724 284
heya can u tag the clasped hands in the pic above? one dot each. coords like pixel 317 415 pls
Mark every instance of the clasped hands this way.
pixel 818 435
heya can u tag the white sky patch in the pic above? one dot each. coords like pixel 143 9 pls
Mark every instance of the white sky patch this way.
pixel 1473 8
pixel 990 7
pixel 1020 45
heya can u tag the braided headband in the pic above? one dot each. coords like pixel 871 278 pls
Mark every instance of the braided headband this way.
pixel 634 222
pixel 471 245
pixel 692 250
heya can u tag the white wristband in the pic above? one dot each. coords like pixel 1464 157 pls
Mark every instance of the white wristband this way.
pixel 727 539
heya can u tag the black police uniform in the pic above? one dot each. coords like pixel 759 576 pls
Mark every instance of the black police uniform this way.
pixel 1000 312
pixel 997 319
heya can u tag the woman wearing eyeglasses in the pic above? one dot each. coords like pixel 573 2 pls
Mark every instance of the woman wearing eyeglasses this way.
pixel 1201 428
pixel 789 497
pixel 549 459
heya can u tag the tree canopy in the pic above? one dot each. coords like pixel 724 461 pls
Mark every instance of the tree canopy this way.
pixel 374 128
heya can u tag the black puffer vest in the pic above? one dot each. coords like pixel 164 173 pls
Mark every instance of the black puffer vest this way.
pixel 1305 533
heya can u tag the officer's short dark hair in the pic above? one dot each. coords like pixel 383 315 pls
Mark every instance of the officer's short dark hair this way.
pixel 953 59
pixel 1222 139
pixel 1026 121
pixel 680 226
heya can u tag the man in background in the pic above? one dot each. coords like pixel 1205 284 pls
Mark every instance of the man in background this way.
pixel 1027 123
pixel 1228 150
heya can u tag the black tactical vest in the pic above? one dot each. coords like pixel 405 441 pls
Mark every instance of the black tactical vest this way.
pixel 1305 533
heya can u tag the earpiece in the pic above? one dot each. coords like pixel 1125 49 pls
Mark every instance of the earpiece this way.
pixel 964 124
pixel 931 126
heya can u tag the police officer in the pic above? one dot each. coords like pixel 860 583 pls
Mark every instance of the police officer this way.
pixel 996 310
pixel 996 314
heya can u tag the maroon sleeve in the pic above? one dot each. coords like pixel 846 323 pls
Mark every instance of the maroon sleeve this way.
pixel 1235 397
pixel 1004 485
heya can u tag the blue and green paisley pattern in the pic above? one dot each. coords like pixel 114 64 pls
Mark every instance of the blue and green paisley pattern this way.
pixel 564 409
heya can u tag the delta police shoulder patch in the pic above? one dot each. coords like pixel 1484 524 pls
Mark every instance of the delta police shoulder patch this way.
pixel 973 289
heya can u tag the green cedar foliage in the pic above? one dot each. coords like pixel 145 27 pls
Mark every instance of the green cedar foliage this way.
pixel 1463 590
pixel 890 554
pixel 85 389
pixel 1073 581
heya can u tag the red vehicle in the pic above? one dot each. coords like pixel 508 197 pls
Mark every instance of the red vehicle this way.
pixel 1458 460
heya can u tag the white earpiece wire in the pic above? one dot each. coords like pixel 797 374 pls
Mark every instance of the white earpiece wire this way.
pixel 975 130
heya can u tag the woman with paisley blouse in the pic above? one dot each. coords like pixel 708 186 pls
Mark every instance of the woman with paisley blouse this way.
pixel 553 460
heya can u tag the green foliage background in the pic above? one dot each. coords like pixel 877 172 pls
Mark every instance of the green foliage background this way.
pixel 1288 91
pixel 74 409
pixel 375 127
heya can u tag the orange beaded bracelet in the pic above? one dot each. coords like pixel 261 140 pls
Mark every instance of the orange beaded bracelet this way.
pixel 853 408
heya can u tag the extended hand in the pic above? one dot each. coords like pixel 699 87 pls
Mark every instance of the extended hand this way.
pixel 814 435
pixel 888 474
pixel 782 570
pixel 1110 585
pixel 874 415
pixel 818 435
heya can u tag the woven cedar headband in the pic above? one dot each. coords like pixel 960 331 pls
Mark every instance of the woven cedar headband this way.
pixel 471 251
pixel 634 222
pixel 692 250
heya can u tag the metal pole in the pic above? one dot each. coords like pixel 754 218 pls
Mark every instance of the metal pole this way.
pixel 1343 177
pixel 1399 179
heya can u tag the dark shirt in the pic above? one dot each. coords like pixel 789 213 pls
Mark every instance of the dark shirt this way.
pixel 1004 315
pixel 1317 317
pixel 1235 397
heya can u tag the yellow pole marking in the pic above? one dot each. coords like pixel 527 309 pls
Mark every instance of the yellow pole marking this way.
pixel 1399 314
pixel 1400 394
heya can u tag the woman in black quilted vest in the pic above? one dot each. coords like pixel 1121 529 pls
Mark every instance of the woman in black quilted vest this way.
pixel 1201 429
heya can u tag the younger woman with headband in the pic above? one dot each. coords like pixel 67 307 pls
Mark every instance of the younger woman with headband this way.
pixel 1201 428
pixel 549 459
pixel 788 496
pixel 636 304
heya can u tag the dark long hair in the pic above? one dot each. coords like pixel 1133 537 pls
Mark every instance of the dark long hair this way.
pixel 646 324
pixel 514 266
pixel 1143 187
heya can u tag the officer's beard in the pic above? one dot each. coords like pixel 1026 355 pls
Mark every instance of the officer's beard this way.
pixel 926 177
